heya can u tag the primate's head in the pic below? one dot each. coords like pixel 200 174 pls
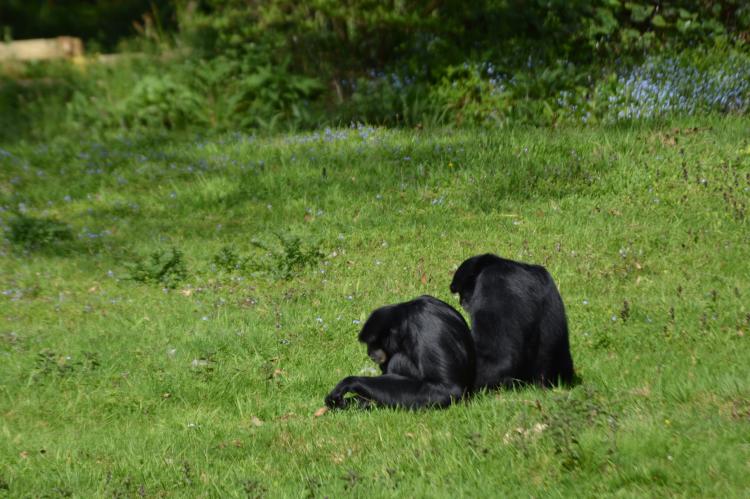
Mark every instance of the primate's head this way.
pixel 465 278
pixel 379 334
pixel 377 355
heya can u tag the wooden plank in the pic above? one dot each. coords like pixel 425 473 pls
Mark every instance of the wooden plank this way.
pixel 62 47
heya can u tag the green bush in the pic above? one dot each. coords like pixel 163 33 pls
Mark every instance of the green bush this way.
pixel 162 102
pixel 278 64
pixel 33 233
pixel 288 257
pixel 165 268
pixel 228 260
pixel 693 82
pixel 141 94
pixel 33 99
pixel 485 63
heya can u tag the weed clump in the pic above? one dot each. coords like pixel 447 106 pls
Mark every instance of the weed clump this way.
pixel 166 268
pixel 52 364
pixel 34 234
pixel 228 260
pixel 283 259
pixel 289 257
pixel 570 416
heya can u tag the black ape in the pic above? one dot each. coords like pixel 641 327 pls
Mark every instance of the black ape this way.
pixel 425 353
pixel 518 322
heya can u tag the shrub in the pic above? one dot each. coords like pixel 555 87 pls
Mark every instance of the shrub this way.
pixel 228 260
pixel 472 94
pixel 681 84
pixel 693 82
pixel 37 233
pixel 289 257
pixel 166 268
pixel 278 64
pixel 161 101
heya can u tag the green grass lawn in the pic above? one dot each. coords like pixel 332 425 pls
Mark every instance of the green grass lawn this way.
pixel 174 310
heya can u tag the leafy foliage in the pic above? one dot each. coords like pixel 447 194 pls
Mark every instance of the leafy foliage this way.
pixel 167 269
pixel 228 260
pixel 32 233
pixel 281 65
pixel 272 95
pixel 289 256
pixel 49 363
pixel 158 102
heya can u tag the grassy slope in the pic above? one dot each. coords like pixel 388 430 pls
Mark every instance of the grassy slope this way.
pixel 211 388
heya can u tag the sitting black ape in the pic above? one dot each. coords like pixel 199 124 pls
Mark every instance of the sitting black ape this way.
pixel 425 353
pixel 518 322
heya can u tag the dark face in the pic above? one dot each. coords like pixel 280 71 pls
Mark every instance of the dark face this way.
pixel 463 285
pixel 377 355
pixel 465 279
pixel 379 334
pixel 464 299
pixel 380 349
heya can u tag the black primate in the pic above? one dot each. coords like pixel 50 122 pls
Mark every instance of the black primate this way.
pixel 517 322
pixel 425 353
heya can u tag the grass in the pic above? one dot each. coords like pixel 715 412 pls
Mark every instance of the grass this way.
pixel 207 293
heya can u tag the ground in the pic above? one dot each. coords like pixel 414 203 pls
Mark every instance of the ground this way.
pixel 174 309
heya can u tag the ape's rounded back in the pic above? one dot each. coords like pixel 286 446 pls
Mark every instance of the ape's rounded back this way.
pixel 519 326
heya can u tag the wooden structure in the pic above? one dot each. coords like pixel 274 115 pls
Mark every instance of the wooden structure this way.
pixel 62 47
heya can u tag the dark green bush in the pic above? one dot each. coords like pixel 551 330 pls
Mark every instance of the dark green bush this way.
pixel 228 260
pixel 282 64
pixel 446 61
pixel 165 268
pixel 162 102
pixel 33 234
pixel 288 257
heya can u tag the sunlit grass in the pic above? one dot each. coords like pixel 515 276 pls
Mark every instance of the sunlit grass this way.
pixel 111 385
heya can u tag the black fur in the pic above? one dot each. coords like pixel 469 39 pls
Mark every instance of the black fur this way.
pixel 427 357
pixel 518 322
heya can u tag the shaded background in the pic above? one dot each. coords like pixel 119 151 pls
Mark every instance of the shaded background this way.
pixel 100 23
pixel 272 65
